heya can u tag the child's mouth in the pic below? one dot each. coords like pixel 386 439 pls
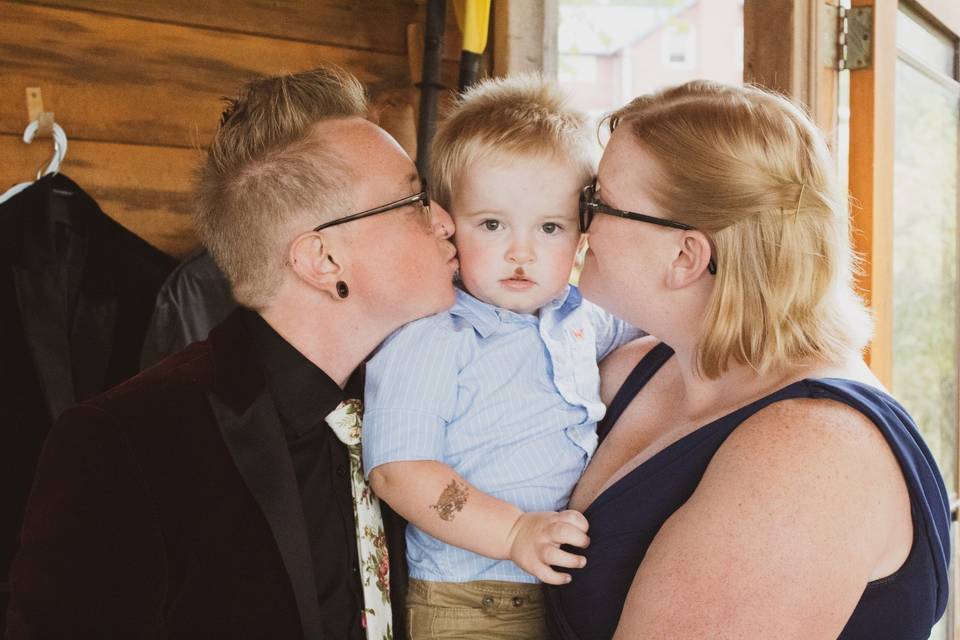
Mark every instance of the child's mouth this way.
pixel 517 283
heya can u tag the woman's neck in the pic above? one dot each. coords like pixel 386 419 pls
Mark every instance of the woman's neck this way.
pixel 703 399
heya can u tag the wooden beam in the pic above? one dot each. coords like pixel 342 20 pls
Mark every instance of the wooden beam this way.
pixel 122 79
pixel 374 25
pixel 774 43
pixel 872 103
pixel 790 47
pixel 147 189
pixel 525 37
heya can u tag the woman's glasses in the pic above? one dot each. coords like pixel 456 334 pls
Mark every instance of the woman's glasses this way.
pixel 590 205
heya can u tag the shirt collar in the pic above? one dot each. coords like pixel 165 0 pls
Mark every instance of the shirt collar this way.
pixel 566 302
pixel 302 392
pixel 481 315
pixel 486 318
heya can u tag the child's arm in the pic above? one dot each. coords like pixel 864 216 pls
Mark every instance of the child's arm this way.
pixel 440 502
pixel 611 332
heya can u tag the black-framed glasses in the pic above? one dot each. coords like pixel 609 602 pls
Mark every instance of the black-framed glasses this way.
pixel 590 205
pixel 423 198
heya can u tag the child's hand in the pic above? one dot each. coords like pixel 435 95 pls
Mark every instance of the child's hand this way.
pixel 535 538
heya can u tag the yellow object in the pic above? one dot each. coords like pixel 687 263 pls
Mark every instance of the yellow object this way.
pixel 473 18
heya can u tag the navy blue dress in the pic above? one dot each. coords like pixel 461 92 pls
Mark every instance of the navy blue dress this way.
pixel 625 518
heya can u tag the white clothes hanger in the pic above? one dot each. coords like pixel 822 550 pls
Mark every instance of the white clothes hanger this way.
pixel 59 146
pixel 51 167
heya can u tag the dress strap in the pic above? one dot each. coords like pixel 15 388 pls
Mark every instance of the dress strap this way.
pixel 637 380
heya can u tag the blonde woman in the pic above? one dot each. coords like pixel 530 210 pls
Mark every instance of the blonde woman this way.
pixel 754 479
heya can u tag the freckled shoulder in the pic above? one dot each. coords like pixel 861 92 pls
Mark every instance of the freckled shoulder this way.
pixel 808 424
pixel 795 512
pixel 798 448
pixel 617 366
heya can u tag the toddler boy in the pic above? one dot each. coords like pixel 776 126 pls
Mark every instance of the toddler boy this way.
pixel 480 420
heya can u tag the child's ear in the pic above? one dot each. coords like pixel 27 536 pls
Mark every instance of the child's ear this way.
pixel 580 256
pixel 311 258
pixel 582 244
pixel 692 259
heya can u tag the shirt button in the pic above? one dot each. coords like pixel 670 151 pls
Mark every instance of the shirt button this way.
pixel 341 471
pixel 517 601
pixel 487 601
pixel 355 570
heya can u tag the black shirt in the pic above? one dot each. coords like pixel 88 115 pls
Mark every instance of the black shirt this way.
pixel 303 395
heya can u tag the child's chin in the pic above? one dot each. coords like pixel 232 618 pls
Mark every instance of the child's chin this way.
pixel 527 307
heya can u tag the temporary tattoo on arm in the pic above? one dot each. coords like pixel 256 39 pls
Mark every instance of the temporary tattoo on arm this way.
pixel 452 500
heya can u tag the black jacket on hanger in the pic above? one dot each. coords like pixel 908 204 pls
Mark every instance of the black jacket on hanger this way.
pixel 76 294
pixel 195 298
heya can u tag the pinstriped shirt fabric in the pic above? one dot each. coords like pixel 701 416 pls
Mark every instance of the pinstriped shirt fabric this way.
pixel 509 401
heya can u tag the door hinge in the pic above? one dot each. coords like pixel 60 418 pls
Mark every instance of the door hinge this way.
pixel 855 38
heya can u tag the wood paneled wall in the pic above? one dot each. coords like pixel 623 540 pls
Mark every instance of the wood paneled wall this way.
pixel 137 85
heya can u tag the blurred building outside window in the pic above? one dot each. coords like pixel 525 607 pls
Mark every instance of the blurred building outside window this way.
pixel 611 51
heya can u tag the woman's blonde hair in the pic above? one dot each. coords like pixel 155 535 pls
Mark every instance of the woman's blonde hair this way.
pixel 750 170
pixel 522 115
pixel 265 171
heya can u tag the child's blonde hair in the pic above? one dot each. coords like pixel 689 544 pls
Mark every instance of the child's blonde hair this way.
pixel 522 114
pixel 749 169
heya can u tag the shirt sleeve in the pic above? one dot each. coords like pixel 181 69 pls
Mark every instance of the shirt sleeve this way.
pixel 611 332
pixel 411 393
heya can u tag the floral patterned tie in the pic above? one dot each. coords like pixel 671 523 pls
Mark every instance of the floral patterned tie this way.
pixel 377 616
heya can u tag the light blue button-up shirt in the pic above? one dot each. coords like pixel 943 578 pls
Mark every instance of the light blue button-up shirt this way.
pixel 509 401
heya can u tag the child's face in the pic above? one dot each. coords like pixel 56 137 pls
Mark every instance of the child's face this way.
pixel 517 234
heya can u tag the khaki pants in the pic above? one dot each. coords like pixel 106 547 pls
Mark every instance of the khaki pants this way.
pixel 485 610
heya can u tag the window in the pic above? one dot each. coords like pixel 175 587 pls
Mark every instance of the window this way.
pixel 577 69
pixel 925 235
pixel 610 51
pixel 679 45
pixel 904 147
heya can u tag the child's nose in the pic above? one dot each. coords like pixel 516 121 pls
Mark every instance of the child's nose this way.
pixel 520 252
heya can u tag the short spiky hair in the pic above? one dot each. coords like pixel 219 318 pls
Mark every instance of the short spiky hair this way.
pixel 521 114
pixel 264 170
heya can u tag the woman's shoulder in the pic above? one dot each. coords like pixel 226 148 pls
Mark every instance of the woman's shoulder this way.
pixel 615 368
pixel 822 462
pixel 810 422
pixel 821 412
pixel 803 502
pixel 821 425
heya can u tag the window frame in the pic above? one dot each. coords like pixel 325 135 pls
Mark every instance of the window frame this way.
pixel 871 187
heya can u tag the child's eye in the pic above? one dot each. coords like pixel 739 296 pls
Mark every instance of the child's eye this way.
pixel 490 225
pixel 551 228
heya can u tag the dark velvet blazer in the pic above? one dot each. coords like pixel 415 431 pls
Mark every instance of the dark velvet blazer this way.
pixel 168 508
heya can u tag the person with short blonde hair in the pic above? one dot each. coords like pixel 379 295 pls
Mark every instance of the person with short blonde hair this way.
pixel 264 174
pixel 218 493
pixel 480 419
pixel 753 479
